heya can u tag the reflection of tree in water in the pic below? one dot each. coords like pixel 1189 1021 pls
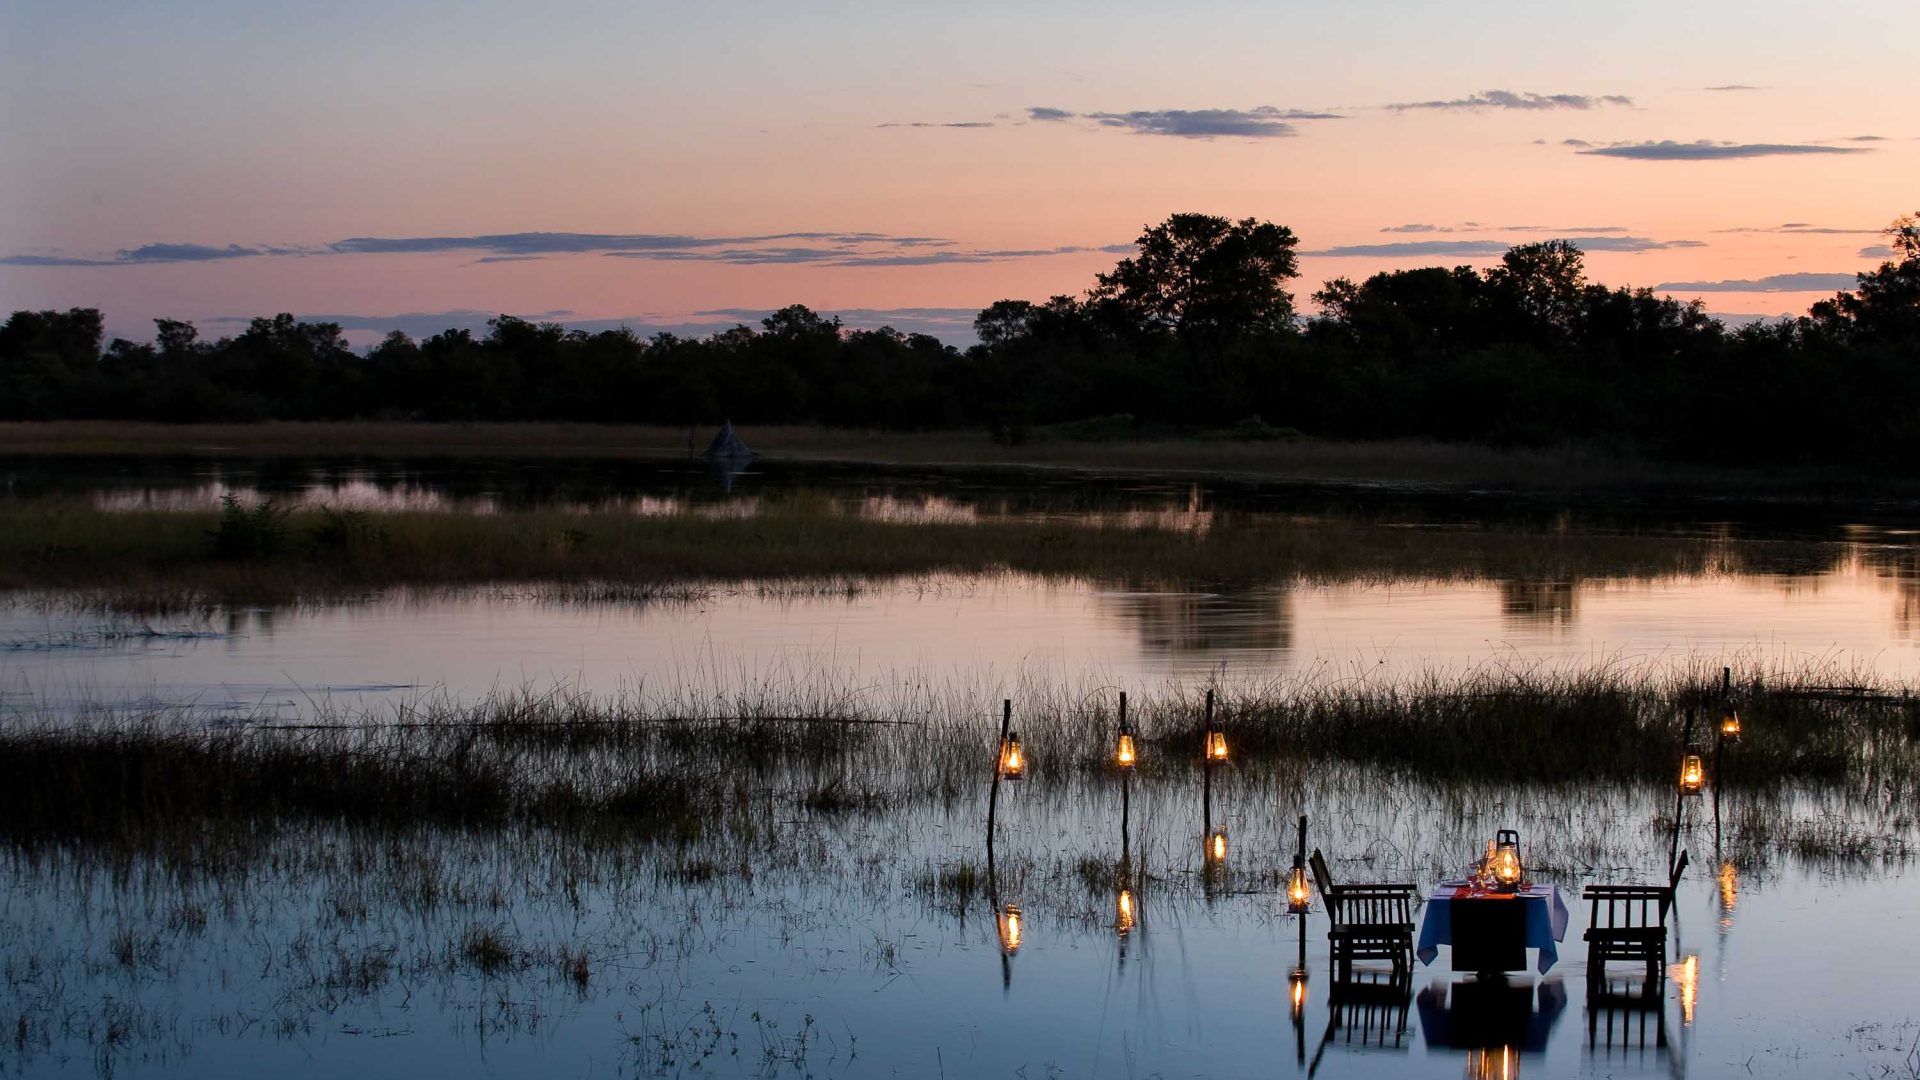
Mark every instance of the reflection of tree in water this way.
pixel 1536 603
pixel 1189 624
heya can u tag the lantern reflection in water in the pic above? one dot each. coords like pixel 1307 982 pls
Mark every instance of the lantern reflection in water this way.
pixel 1729 887
pixel 1217 847
pixel 1010 929
pixel 1493 1063
pixel 1123 912
pixel 1297 991
pixel 1686 975
pixel 1693 774
pixel 1013 759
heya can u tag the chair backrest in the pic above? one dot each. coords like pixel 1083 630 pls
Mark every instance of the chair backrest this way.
pixel 1627 907
pixel 1322 877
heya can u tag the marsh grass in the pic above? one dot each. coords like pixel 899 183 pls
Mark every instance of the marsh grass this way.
pixel 800 544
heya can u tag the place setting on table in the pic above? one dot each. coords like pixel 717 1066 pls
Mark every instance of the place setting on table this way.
pixel 1494 914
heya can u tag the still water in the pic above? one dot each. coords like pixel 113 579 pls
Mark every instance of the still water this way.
pixel 822 952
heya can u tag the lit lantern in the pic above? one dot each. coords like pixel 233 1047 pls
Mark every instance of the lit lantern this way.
pixel 1010 929
pixel 1730 725
pixel 1299 900
pixel 1013 760
pixel 1693 774
pixel 1507 870
pixel 1124 754
pixel 1297 991
pixel 1123 912
pixel 1217 847
pixel 1216 747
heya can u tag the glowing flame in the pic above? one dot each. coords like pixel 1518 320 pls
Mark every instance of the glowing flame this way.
pixel 1686 975
pixel 1506 865
pixel 1216 746
pixel 1730 726
pixel 1013 760
pixel 1217 846
pixel 1693 774
pixel 1124 754
pixel 1298 898
pixel 1123 912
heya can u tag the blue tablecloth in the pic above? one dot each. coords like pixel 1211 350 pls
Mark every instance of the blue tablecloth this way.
pixel 1546 915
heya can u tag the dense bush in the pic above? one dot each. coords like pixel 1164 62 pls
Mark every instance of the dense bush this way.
pixel 1196 334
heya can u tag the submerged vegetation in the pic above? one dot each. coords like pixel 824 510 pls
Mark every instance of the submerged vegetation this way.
pixel 800 542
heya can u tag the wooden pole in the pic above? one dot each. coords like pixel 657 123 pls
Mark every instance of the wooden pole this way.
pixel 1679 798
pixel 1206 772
pixel 993 793
pixel 1300 859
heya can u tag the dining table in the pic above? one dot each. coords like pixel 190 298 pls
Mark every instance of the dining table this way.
pixel 1490 930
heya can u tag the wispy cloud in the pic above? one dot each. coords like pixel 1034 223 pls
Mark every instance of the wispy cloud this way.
pixel 1704 150
pixel 1801 228
pixel 1771 283
pixel 1732 86
pixel 1260 122
pixel 938 124
pixel 1521 100
pixel 1477 227
pixel 526 246
pixel 1876 251
pixel 148 254
pixel 1491 248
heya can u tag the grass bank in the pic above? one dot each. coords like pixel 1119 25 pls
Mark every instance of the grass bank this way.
pixel 163 560
pixel 1567 469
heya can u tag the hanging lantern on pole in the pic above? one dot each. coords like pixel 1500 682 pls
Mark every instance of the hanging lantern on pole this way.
pixel 1299 899
pixel 1730 725
pixel 1216 747
pixel 1693 773
pixel 1013 760
pixel 1124 753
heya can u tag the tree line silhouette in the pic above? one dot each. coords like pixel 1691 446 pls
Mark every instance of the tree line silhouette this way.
pixel 1196 332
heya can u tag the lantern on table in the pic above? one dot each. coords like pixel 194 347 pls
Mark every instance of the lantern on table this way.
pixel 1299 900
pixel 1010 930
pixel 1013 760
pixel 1507 870
pixel 1730 725
pixel 1693 774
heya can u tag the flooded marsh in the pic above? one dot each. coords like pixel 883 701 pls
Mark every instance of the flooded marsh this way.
pixel 669 812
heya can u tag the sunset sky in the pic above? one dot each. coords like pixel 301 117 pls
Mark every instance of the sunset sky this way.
pixel 420 164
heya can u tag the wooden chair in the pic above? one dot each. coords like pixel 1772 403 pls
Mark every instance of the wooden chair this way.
pixel 1372 921
pixel 1628 923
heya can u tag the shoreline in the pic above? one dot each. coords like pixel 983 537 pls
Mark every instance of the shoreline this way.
pixel 1422 465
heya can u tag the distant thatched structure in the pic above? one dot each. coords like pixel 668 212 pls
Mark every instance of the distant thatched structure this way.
pixel 726 446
